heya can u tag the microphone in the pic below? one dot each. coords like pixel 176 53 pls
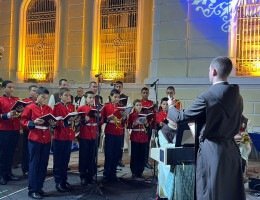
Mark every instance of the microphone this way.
pixel 157 80
pixel 97 75
pixel 112 84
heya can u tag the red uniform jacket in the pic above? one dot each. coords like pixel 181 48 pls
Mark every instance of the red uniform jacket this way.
pixel 116 126
pixel 61 132
pixel 138 133
pixel 12 124
pixel 28 99
pixel 37 133
pixel 149 103
pixel 88 130
pixel 161 117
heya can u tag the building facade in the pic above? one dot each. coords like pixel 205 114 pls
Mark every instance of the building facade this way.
pixel 136 41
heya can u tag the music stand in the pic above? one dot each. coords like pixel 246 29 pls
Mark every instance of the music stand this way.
pixel 96 188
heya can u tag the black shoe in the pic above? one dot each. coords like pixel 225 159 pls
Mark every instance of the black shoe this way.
pixel 121 164
pixel 105 179
pixel 90 180
pixel 83 182
pixel 35 195
pixel 42 193
pixel 67 186
pixel 3 181
pixel 148 166
pixel 25 174
pixel 13 178
pixel 60 188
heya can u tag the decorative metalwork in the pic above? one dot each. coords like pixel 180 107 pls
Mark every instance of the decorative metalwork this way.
pixel 211 8
pixel 40 41
pixel 248 38
pixel 118 39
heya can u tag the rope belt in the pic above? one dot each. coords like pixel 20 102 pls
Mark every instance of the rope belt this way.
pixel 141 129
pixel 91 124
pixel 42 127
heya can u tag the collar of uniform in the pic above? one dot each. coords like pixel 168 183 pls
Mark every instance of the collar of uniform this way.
pixel 4 95
pixel 220 82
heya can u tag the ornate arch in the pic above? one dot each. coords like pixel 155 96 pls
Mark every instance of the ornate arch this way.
pixel 38 45
pixel 115 39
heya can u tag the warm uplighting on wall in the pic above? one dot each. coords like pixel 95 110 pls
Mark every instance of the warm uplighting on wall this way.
pixel 1 52
pixel 112 76
pixel 37 48
pixel 38 76
pixel 245 37
pixel 115 55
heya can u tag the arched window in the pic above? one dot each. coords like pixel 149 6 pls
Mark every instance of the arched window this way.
pixel 118 39
pixel 247 38
pixel 39 41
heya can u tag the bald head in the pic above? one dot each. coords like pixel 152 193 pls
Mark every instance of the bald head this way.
pixel 223 66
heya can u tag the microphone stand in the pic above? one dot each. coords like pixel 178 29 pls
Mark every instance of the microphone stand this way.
pixel 96 188
pixel 155 87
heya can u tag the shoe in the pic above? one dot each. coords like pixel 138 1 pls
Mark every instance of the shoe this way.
pixel 35 195
pixel 121 164
pixel 67 186
pixel 43 194
pixel 90 180
pixel 148 166
pixel 13 178
pixel 3 181
pixel 83 182
pixel 134 176
pixel 140 178
pixel 60 188
pixel 25 174
pixel 113 179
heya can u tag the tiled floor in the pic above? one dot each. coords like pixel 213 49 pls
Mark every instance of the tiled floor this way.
pixel 125 189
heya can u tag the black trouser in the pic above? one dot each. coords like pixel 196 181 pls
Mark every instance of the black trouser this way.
pixel 122 148
pixel 38 162
pixel 243 165
pixel 137 158
pixel 147 149
pixel 87 158
pixel 25 151
pixel 112 153
pixel 8 142
pixel 61 158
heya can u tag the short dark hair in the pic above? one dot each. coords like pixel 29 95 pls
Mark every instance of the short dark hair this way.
pixel 136 101
pixel 5 83
pixel 223 66
pixel 87 93
pixel 63 79
pixel 170 88
pixel 114 91
pixel 92 82
pixel 144 89
pixel 32 86
pixel 63 90
pixel 164 99
pixel 119 82
pixel 42 90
